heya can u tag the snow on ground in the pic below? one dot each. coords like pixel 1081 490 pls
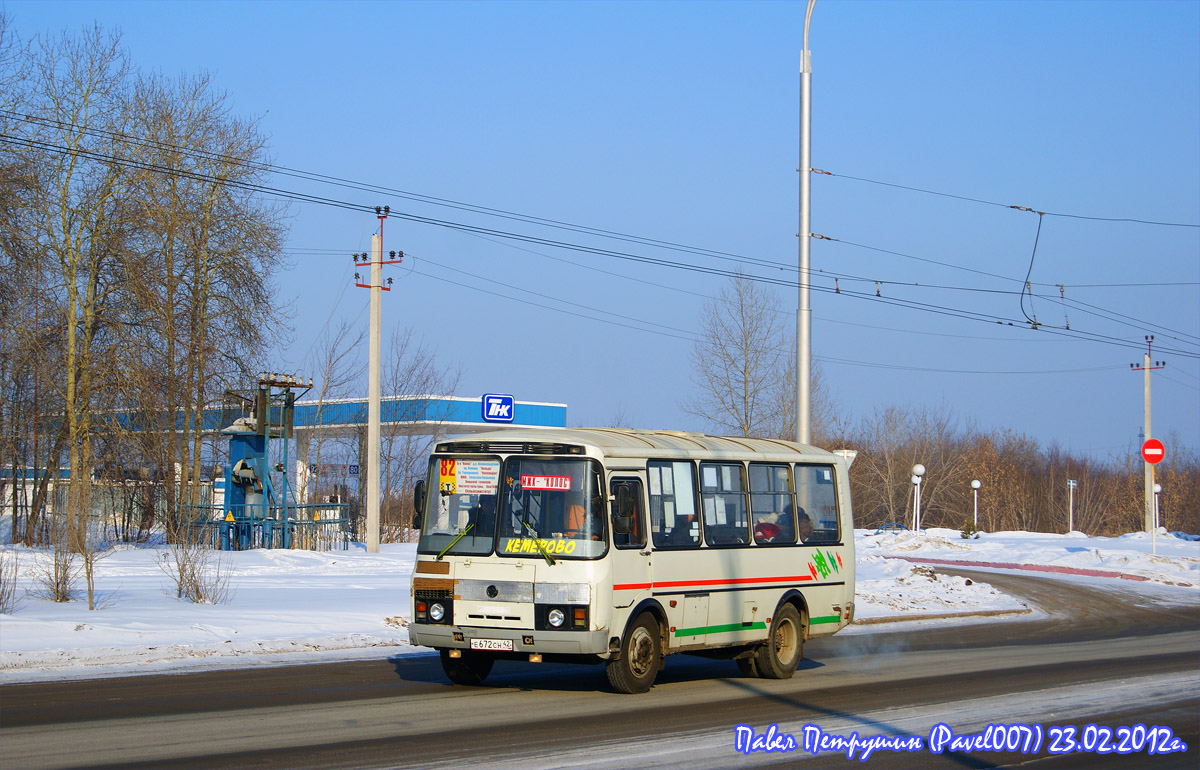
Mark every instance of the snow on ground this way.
pixel 1167 559
pixel 300 606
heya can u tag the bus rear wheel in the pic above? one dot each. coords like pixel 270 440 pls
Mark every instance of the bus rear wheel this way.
pixel 778 658
pixel 471 669
pixel 641 657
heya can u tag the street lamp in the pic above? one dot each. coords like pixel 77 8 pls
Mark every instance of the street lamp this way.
pixel 1071 484
pixel 918 471
pixel 975 485
pixel 803 308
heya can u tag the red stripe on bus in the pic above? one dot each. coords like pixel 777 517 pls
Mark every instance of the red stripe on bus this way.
pixel 731 581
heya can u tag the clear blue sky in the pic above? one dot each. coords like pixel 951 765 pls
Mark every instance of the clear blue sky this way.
pixel 679 122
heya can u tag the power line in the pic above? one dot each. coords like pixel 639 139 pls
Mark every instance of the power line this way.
pixel 1025 285
pixel 305 197
pixel 965 371
pixel 693 338
pixel 687 334
pixel 460 205
pixel 1137 323
pixel 680 290
pixel 408 195
pixel 1178 382
pixel 1134 322
pixel 1028 209
pixel 555 309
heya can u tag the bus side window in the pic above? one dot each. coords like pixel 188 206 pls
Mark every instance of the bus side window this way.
pixel 816 495
pixel 771 504
pixel 723 496
pixel 673 520
pixel 629 492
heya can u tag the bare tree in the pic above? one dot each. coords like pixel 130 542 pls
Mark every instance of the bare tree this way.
pixel 78 220
pixel 210 247
pixel 414 424
pixel 9 574
pixel 337 369
pixel 128 216
pixel 744 366
pixel 737 360
pixel 28 337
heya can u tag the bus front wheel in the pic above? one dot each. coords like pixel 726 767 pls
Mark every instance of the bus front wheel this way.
pixel 471 669
pixel 778 658
pixel 641 656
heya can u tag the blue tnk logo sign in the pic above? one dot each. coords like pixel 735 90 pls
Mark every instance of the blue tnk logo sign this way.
pixel 498 407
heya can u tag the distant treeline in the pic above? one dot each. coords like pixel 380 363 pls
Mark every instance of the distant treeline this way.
pixel 1023 485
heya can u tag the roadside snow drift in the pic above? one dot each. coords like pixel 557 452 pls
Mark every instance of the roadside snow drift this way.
pixel 300 606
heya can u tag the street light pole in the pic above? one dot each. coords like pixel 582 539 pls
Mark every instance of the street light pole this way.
pixel 975 485
pixel 804 309
pixel 918 471
pixel 1071 506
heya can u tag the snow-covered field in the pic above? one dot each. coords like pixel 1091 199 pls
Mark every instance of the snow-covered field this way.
pixel 299 606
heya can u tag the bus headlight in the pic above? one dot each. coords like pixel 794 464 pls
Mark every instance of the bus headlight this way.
pixel 437 612
pixel 556 617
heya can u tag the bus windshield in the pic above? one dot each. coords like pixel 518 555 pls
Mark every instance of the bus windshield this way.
pixel 460 515
pixel 553 507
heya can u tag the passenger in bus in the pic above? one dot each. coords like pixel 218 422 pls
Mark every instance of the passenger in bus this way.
pixel 775 527
pixel 681 533
pixel 768 528
pixel 483 516
pixel 804 526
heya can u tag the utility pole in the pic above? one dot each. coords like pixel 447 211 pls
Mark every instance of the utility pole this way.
pixel 1149 468
pixel 376 286
pixel 804 309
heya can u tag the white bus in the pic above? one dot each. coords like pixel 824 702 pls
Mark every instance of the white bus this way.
pixel 625 546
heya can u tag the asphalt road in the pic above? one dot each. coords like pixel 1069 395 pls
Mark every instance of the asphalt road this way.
pixel 1106 657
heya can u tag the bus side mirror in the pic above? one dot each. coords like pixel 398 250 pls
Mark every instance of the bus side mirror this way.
pixel 626 506
pixel 419 498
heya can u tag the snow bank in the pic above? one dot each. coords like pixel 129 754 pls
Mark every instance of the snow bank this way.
pixel 300 606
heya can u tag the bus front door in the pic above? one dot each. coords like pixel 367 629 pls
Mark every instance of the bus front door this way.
pixel 632 576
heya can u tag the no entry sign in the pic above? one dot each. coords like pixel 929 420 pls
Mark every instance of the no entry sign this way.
pixel 1153 451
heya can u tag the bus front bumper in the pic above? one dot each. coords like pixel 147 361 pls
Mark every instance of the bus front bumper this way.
pixel 545 642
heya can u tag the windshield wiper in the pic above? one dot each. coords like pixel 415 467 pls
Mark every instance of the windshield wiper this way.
pixel 538 541
pixel 452 542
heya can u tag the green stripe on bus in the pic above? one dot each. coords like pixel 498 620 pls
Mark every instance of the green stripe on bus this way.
pixel 725 629
pixel 823 619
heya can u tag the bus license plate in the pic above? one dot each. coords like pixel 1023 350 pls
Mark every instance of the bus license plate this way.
pixel 492 644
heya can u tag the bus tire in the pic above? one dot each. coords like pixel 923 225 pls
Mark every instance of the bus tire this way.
pixel 641 657
pixel 471 669
pixel 748 667
pixel 778 658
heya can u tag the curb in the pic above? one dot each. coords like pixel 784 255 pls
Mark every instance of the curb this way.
pixel 1040 568
pixel 936 616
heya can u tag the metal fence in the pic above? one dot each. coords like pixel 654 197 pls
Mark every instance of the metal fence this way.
pixel 311 527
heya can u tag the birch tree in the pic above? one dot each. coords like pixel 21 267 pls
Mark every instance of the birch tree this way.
pixel 744 366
